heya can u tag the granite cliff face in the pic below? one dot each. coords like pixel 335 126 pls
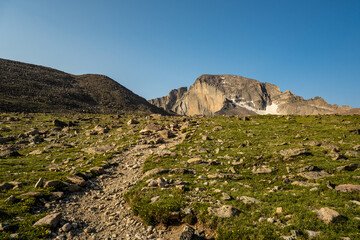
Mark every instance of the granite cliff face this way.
pixel 236 95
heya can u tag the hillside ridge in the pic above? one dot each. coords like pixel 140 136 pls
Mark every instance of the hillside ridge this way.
pixel 31 88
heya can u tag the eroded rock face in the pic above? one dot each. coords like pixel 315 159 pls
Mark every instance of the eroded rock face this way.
pixel 236 95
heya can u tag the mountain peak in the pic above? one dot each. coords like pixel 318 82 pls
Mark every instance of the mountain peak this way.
pixel 236 95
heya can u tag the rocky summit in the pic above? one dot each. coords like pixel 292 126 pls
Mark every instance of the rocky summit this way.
pixel 236 95
pixel 32 88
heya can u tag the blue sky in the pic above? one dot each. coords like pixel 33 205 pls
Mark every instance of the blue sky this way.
pixel 311 47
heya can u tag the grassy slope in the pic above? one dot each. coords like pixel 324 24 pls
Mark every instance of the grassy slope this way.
pixel 29 168
pixel 266 135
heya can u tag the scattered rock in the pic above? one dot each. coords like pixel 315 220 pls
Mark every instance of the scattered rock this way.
pixel 312 143
pixel 9 153
pixel 312 234
pixel 225 197
pixel 188 233
pixel 132 122
pixel 309 168
pixel 36 152
pixel 66 227
pixel 327 215
pixel 350 167
pixel 195 160
pixel 314 175
pixel 225 211
pixel 77 180
pixel 56 195
pixel 248 200
pixel 51 219
pixel 155 199
pixel 261 170
pixel 292 152
pixel 330 146
pixel 305 184
pixel 54 183
pixel 39 183
pixel 351 153
pixel 348 188
pixel 155 171
pixel 31 194
pixel 97 170
pixel 166 134
pixel 11 199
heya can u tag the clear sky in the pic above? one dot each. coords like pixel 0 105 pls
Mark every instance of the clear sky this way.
pixel 311 47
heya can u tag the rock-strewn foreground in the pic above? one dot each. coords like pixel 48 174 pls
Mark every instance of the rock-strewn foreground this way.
pixel 235 95
pixel 84 176
pixel 31 88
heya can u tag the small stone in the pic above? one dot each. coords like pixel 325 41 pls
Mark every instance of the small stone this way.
pixel 155 199
pixel 327 215
pixel 292 152
pixel 271 220
pixel 51 219
pixel 11 199
pixel 15 235
pixel 39 183
pixel 262 170
pixel 188 233
pixel 279 210
pixel 248 200
pixel 295 233
pixel 348 188
pixel 53 183
pixel 312 234
pixel 66 227
pixel 225 211
pixel 195 160
pixel 132 121
pixel 314 175
pixel 77 180
pixel 225 197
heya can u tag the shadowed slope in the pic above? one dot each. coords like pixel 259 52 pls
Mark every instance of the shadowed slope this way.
pixel 31 88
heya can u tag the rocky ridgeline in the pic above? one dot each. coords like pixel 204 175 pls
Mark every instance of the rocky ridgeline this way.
pixel 236 95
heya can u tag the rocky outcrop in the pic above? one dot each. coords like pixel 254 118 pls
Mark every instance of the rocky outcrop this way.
pixel 236 95
pixel 169 101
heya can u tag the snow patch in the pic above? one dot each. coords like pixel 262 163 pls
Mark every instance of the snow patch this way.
pixel 250 105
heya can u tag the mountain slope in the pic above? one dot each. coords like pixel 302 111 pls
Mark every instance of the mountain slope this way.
pixel 236 95
pixel 31 88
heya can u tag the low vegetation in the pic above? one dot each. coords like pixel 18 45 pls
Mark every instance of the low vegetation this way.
pixel 276 172
pixel 259 177
pixel 33 146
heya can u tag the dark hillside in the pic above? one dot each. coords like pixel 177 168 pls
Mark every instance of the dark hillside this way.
pixel 31 88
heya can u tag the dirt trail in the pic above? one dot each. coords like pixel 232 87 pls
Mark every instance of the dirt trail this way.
pixel 100 212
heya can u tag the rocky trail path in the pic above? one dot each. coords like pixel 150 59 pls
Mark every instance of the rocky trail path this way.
pixel 100 212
